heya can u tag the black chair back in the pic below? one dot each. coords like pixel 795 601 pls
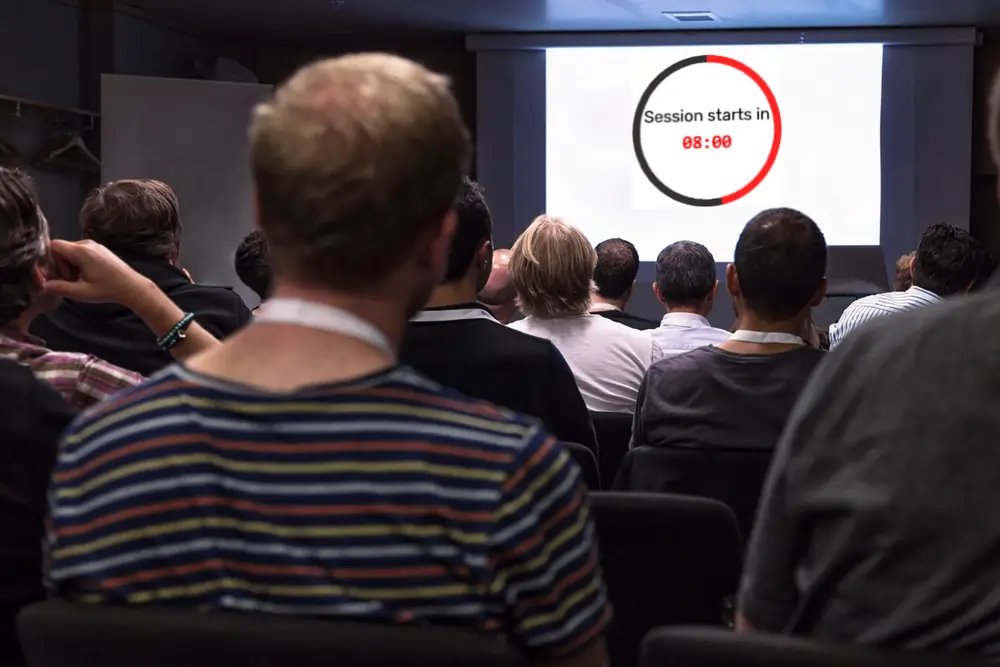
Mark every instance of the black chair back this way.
pixel 614 432
pixel 712 647
pixel 667 560
pixel 587 462
pixel 734 477
pixel 63 634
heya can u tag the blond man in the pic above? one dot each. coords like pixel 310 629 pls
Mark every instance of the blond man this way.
pixel 552 267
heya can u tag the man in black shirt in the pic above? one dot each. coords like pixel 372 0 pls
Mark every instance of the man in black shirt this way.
pixel 457 342
pixel 614 278
pixel 32 417
pixel 138 220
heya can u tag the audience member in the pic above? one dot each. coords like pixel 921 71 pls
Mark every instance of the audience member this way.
pixel 32 418
pixel 552 265
pixel 736 395
pixel 139 221
pixel 499 294
pixel 252 266
pixel 903 278
pixel 35 272
pixel 686 286
pixel 614 280
pixel 458 343
pixel 295 468
pixel 875 525
pixel 947 262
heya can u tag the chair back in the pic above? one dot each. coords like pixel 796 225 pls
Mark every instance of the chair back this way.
pixel 64 634
pixel 587 462
pixel 667 560
pixel 731 476
pixel 614 432
pixel 712 647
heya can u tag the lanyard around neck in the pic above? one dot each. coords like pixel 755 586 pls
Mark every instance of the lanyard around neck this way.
pixel 324 318
pixel 772 337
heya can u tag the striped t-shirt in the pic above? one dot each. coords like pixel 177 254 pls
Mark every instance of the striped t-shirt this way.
pixel 388 498
pixel 877 305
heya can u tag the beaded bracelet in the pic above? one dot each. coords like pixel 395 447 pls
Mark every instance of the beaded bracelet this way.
pixel 176 333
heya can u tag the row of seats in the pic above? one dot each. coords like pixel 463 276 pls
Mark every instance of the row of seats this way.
pixel 61 634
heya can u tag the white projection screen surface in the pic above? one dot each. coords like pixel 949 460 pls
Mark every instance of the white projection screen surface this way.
pixel 192 135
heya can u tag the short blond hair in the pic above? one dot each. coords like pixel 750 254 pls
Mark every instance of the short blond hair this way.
pixel 355 159
pixel 552 268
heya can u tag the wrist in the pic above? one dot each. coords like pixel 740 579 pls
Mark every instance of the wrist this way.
pixel 138 292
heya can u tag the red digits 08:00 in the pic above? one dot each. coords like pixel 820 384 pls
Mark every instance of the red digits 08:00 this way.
pixel 725 141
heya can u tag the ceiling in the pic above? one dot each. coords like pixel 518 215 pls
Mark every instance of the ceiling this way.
pixel 312 18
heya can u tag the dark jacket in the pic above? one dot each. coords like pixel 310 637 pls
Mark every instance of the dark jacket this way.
pixel 117 335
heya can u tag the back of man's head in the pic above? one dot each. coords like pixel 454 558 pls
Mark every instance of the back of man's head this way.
pixel 617 267
pixel 780 264
pixel 23 244
pixel 357 161
pixel 948 260
pixel 138 217
pixel 685 275
pixel 251 264
pixel 474 229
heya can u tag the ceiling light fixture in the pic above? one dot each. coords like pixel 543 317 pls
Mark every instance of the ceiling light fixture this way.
pixel 692 17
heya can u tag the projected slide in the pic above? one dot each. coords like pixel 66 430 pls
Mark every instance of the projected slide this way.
pixel 658 144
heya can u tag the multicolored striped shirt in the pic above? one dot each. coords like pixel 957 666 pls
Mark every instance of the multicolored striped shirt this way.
pixel 388 498
pixel 81 379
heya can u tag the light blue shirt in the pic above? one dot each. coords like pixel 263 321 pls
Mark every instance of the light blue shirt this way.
pixel 682 332
pixel 878 305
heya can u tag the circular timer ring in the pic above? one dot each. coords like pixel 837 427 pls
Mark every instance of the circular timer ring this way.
pixel 637 130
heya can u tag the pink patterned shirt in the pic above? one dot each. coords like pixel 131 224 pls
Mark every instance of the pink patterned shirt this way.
pixel 82 379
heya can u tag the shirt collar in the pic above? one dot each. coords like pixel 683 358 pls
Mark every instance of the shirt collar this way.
pixel 460 311
pixel 926 292
pixel 598 307
pixel 687 320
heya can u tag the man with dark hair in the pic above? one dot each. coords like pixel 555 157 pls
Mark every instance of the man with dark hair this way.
pixel 614 279
pixel 139 221
pixel 252 266
pixel 457 342
pixel 686 286
pixel 36 271
pixel 733 398
pixel 948 261
pixel 298 468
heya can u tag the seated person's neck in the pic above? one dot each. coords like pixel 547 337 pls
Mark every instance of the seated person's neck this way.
pixel 598 300
pixel 453 294
pixel 749 321
pixel 688 310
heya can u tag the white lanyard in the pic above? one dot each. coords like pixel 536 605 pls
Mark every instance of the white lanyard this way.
pixel 773 337
pixel 453 315
pixel 325 318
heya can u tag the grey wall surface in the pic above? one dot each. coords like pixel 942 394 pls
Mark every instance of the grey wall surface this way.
pixel 926 143
pixel 192 135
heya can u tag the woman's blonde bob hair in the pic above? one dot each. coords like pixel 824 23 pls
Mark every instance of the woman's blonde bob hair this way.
pixel 552 268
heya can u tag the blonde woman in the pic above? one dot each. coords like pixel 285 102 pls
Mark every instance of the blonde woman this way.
pixel 552 266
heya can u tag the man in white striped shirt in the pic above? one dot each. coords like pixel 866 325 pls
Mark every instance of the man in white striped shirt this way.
pixel 946 263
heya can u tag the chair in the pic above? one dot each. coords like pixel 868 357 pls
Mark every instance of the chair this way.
pixel 731 476
pixel 64 634
pixel 712 647
pixel 667 560
pixel 614 432
pixel 587 462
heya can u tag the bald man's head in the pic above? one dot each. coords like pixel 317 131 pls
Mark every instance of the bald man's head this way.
pixel 499 290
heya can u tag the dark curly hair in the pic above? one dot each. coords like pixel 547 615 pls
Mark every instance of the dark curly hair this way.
pixel 252 266
pixel 23 243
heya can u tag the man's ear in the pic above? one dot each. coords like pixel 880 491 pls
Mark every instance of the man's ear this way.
pixel 819 295
pixel 732 280
pixel 484 256
pixel 656 292
pixel 714 292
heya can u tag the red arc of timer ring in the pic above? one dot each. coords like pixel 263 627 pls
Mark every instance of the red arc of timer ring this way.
pixel 637 131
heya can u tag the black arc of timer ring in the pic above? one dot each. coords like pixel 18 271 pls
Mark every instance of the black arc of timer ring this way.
pixel 637 131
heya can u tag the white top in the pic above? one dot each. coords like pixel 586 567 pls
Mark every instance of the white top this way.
pixel 608 359
pixel 683 332
pixel 877 305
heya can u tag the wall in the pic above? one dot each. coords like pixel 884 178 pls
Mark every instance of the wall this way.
pixel 984 220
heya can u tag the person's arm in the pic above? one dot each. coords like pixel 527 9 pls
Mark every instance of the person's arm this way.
pixel 638 432
pixel 88 271
pixel 566 414
pixel 546 559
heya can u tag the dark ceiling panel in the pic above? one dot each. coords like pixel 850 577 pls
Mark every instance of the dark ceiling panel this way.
pixel 314 18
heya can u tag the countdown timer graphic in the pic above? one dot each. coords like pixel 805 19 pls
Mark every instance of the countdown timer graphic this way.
pixel 707 131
